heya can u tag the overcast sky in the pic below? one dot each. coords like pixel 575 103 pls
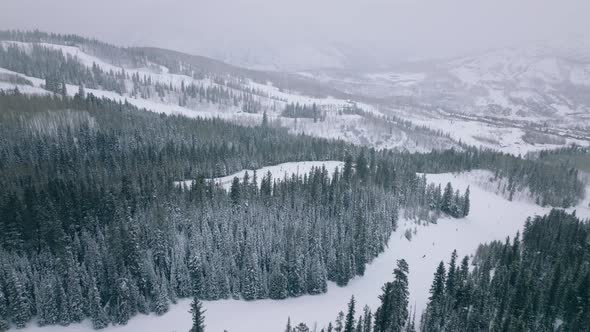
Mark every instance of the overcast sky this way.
pixel 251 29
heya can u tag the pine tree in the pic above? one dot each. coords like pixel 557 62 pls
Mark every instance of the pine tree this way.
pixel 81 92
pixel 433 315
pixel 412 324
pixel 457 205
pixel 3 312
pixel 339 324
pixel 278 285
pixel 383 312
pixel 264 120
pixel 362 168
pixel 400 297
pixel 19 302
pixel 288 328
pixel 301 328
pixel 347 171
pixel 466 203
pixel 392 314
pixel 349 323
pixel 97 314
pixel 198 316
pixel 359 324
pixel 367 319
pixel 447 199
pixel 451 281
pixel 161 301
pixel 234 192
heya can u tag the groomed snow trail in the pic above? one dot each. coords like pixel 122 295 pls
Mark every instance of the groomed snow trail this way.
pixel 492 218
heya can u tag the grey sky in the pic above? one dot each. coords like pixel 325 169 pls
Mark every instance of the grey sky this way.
pixel 379 29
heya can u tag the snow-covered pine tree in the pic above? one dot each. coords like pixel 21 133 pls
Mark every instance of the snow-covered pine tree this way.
pixel 198 316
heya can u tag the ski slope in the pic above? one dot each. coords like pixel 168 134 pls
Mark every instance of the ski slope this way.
pixel 492 218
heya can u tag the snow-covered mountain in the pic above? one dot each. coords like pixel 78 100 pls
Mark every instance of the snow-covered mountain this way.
pixel 515 100
pixel 171 82
pixel 515 83
pixel 543 92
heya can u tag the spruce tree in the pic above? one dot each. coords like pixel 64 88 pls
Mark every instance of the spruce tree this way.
pixel 235 191
pixel 339 324
pixel 400 297
pixel 198 316
pixel 466 202
pixel 3 312
pixel 97 314
pixel 432 317
pixel 447 199
pixel 349 323
pixel 264 120
pixel 19 301
pixel 301 327
pixel 288 328
pixel 367 319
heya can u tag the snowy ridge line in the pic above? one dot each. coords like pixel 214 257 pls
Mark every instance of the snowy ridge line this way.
pixel 176 80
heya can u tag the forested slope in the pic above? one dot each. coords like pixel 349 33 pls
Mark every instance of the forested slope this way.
pixel 540 282
pixel 92 225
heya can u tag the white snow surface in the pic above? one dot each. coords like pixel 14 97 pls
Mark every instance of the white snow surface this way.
pixel 278 172
pixel 492 217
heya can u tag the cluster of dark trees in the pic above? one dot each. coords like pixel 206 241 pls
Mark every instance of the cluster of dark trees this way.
pixel 453 203
pixel 296 110
pixel 92 225
pixel 549 184
pixel 538 283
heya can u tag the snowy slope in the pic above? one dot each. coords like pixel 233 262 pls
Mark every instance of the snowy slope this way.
pixel 494 99
pixel 278 172
pixel 354 128
pixel 511 100
pixel 492 218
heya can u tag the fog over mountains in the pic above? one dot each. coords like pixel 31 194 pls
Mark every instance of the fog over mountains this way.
pixel 295 35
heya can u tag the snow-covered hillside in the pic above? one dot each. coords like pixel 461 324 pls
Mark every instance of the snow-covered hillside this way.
pixel 492 218
pixel 232 96
pixel 514 100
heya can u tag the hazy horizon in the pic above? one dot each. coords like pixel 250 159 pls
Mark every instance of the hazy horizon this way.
pixel 308 33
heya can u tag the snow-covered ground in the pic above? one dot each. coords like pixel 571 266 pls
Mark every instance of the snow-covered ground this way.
pixel 492 218
pixel 278 172
pixel 506 139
